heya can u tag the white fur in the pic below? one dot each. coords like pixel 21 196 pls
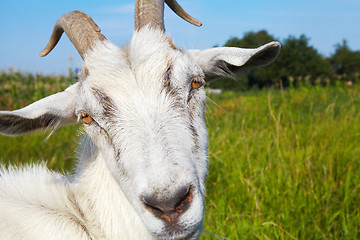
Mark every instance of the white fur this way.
pixel 151 141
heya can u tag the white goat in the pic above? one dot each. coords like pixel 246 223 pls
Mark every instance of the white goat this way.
pixel 143 161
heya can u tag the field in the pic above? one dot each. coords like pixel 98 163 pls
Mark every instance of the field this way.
pixel 283 164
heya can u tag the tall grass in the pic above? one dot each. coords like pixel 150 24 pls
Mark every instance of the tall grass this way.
pixel 18 89
pixel 283 165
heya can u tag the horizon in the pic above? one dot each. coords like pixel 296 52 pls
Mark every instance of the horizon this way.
pixel 325 22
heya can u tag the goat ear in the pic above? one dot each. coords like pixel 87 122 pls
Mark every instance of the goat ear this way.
pixel 224 61
pixel 50 112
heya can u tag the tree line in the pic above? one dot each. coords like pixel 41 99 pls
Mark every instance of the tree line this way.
pixel 298 63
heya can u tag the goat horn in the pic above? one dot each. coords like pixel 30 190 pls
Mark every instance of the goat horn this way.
pixel 181 12
pixel 152 12
pixel 80 29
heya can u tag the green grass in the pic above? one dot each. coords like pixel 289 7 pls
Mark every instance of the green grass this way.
pixel 283 165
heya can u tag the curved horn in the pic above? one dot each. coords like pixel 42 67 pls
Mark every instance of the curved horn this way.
pixel 152 12
pixel 80 29
pixel 181 12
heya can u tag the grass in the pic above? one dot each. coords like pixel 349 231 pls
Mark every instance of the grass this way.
pixel 283 165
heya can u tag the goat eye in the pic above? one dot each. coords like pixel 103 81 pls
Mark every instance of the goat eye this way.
pixel 86 118
pixel 196 84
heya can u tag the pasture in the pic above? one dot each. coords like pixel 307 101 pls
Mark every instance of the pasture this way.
pixel 283 164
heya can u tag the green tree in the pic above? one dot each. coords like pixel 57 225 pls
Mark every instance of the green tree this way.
pixel 345 62
pixel 299 62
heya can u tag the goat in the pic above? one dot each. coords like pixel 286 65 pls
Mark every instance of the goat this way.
pixel 143 158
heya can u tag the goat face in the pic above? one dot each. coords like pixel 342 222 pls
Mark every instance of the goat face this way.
pixel 146 103
pixel 143 108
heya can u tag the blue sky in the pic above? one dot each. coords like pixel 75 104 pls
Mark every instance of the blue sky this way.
pixel 26 26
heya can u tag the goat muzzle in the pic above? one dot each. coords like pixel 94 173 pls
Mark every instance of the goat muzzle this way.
pixel 170 209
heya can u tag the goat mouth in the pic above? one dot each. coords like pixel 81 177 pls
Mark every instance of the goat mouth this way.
pixel 179 230
pixel 171 212
pixel 179 233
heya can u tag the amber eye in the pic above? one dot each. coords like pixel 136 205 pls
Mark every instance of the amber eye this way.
pixel 196 84
pixel 86 118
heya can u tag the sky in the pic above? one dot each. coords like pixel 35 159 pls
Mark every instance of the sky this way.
pixel 26 26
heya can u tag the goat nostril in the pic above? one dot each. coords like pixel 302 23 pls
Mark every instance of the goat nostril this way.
pixel 176 204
